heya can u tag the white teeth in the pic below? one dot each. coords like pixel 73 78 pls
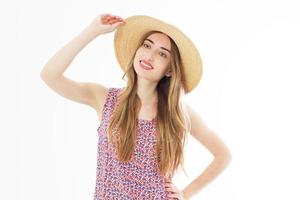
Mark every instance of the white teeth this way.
pixel 145 64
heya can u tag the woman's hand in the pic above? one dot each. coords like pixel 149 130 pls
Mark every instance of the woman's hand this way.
pixel 176 194
pixel 105 23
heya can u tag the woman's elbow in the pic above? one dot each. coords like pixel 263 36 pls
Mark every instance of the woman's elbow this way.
pixel 224 158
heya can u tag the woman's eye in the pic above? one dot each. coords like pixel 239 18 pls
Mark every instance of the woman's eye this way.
pixel 163 55
pixel 146 45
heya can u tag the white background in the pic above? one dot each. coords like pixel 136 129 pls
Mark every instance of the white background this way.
pixel 249 94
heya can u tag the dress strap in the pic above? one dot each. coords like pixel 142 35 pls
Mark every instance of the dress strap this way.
pixel 110 102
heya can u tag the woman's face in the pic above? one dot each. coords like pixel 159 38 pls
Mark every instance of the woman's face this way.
pixel 153 57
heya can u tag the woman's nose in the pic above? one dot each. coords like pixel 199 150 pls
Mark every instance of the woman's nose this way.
pixel 150 57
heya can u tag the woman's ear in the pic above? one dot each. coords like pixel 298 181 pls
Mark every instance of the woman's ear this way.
pixel 168 73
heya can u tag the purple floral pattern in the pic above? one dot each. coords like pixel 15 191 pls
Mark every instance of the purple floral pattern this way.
pixel 137 179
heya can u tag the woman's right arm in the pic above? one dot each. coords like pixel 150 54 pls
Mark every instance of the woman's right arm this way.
pixel 88 93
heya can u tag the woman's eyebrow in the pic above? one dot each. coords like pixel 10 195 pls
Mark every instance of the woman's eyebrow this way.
pixel 160 47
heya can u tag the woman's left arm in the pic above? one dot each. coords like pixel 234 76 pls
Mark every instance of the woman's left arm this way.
pixel 215 145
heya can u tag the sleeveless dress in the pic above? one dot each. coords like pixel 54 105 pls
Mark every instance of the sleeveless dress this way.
pixel 137 179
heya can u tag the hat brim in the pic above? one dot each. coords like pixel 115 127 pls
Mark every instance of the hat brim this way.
pixel 126 41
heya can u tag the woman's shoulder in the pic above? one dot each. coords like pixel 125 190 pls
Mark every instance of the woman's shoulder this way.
pixel 104 93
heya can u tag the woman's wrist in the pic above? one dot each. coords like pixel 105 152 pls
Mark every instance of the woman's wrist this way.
pixel 92 32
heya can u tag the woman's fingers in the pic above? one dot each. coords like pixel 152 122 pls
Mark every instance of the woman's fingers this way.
pixel 175 192
pixel 111 19
pixel 106 23
pixel 106 17
pixel 115 21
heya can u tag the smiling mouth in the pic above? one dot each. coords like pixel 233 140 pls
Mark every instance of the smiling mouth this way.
pixel 145 65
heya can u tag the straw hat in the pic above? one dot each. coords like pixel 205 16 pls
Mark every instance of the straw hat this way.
pixel 126 41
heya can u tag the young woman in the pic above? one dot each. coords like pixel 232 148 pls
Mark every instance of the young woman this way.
pixel 143 125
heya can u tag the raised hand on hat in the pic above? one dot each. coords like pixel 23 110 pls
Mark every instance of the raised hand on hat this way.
pixel 106 23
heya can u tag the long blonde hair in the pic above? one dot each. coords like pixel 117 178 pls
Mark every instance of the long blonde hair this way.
pixel 172 120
